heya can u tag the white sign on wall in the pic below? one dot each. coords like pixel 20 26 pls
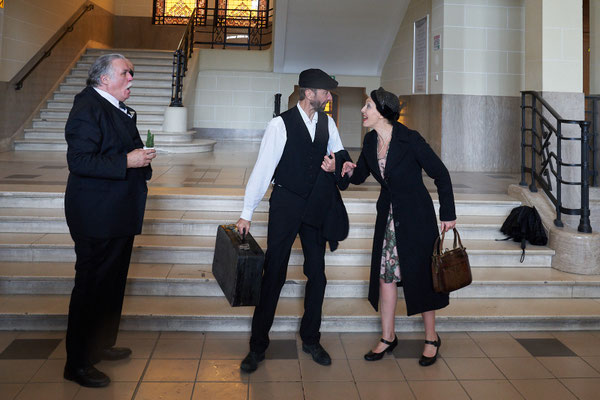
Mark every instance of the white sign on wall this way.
pixel 421 55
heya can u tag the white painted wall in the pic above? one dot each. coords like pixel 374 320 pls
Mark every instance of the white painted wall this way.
pixel 594 46
pixel 27 26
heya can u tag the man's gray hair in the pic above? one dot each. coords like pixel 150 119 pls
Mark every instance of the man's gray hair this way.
pixel 102 66
pixel 302 92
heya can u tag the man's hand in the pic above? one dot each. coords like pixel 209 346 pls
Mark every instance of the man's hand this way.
pixel 348 168
pixel 447 225
pixel 243 226
pixel 328 164
pixel 139 158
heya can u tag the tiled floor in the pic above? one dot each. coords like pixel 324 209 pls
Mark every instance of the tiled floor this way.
pixel 198 365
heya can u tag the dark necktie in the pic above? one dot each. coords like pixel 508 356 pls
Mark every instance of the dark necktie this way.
pixel 124 107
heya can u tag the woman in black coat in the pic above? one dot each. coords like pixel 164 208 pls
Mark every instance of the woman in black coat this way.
pixel 406 224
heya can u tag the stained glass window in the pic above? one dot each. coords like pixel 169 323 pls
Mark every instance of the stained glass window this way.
pixel 244 12
pixel 177 12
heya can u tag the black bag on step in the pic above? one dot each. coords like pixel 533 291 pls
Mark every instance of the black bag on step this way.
pixel 524 224
pixel 238 266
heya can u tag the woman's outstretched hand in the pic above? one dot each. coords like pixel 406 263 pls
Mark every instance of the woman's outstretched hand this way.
pixel 445 226
pixel 348 168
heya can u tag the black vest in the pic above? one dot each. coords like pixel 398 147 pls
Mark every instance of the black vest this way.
pixel 302 158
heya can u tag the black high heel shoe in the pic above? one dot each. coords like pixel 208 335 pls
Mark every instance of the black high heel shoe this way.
pixel 371 356
pixel 427 361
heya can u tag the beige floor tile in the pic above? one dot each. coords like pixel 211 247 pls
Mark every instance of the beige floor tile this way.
pixel 225 349
pixel 502 347
pixel 568 367
pixel 18 371
pixel 522 368
pixel 171 371
pixel 178 348
pixel 583 388
pixel 473 368
pixel 51 371
pixel 137 335
pixel 357 345
pixel 220 391
pixel 48 391
pixel 435 390
pixel 330 391
pixel 384 390
pixel 229 336
pixel 114 391
pixel 183 335
pixel 382 370
pixel 43 335
pixel 593 361
pixel 339 370
pixel 276 371
pixel 584 344
pixel 532 335
pixel 129 370
pixel 276 391
pixel 60 352
pixel 6 338
pixel 491 390
pixel 542 389
pixel 490 335
pixel 140 348
pixel 461 347
pixel 165 391
pixel 8 391
pixel 221 371
pixel 414 372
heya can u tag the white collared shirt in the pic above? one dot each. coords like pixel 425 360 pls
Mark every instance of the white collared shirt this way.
pixel 271 150
pixel 111 99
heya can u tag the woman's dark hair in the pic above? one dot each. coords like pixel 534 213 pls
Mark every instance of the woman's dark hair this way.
pixel 387 104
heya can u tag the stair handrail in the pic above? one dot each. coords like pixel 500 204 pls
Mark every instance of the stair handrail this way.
pixel 592 114
pixel 48 52
pixel 180 60
pixel 548 130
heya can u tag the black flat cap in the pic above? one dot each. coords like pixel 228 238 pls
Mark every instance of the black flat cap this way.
pixel 316 79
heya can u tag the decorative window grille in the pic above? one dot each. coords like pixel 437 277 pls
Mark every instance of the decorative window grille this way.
pixel 177 12
pixel 244 13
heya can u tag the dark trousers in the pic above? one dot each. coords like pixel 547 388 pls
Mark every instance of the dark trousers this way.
pixel 97 297
pixel 285 213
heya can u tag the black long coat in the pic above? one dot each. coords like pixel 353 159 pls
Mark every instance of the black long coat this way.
pixel 414 215
pixel 104 198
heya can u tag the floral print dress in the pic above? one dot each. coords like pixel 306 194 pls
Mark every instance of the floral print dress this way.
pixel 390 270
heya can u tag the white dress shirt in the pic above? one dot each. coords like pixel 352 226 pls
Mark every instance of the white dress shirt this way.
pixel 111 99
pixel 271 150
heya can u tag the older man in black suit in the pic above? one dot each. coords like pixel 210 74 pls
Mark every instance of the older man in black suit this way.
pixel 104 206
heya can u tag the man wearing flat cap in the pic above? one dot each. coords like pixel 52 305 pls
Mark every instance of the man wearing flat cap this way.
pixel 295 147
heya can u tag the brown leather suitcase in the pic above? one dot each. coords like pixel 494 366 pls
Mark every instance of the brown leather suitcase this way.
pixel 238 266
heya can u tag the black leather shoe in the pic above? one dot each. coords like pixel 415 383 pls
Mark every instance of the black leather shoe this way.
pixel 427 361
pixel 87 376
pixel 372 356
pixel 318 353
pixel 114 353
pixel 250 363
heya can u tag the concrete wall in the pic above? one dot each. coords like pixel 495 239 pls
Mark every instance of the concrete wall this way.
pixel 27 26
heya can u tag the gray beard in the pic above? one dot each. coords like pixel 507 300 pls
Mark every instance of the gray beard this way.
pixel 318 107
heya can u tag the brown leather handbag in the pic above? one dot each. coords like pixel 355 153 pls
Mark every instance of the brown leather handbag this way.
pixel 450 268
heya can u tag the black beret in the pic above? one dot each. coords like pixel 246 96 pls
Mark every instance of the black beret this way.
pixel 316 79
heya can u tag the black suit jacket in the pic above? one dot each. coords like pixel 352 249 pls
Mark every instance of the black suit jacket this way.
pixel 103 198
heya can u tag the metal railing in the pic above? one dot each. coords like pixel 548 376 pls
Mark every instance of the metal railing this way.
pixel 592 115
pixel 180 60
pixel 48 52
pixel 551 162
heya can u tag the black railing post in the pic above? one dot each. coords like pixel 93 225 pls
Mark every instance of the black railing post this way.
pixel 532 187
pixel 558 204
pixel 523 134
pixel 594 146
pixel 177 85
pixel 584 222
pixel 277 105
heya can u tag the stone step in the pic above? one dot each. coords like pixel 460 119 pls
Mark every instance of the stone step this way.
pixel 56 247
pixel 346 282
pixel 157 83
pixel 161 96
pixel 139 76
pixel 40 145
pixel 133 102
pixel 147 59
pixel 162 67
pixel 150 105
pixel 145 116
pixel 159 313
pixel 131 53
pixel 175 143
pixel 59 123
pixel 137 89
pixel 204 223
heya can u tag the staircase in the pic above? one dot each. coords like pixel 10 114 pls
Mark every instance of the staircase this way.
pixel 151 95
pixel 171 286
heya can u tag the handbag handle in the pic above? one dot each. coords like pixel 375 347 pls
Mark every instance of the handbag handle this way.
pixel 437 247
